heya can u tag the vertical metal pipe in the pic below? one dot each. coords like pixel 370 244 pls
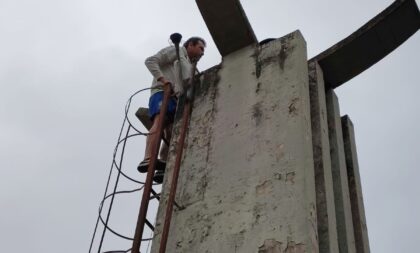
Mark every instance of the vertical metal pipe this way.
pixel 156 140
pixel 174 183
pixel 179 151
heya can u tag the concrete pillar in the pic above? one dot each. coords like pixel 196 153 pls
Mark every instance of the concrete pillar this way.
pixel 247 177
pixel 327 231
pixel 345 232
pixel 355 186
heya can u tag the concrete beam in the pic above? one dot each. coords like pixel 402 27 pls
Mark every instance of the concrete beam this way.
pixel 327 231
pixel 355 186
pixel 372 42
pixel 345 232
pixel 228 24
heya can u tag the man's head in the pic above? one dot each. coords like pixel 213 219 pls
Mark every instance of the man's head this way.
pixel 195 48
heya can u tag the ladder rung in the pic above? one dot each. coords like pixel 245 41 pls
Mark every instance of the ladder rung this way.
pixel 155 195
pixel 150 225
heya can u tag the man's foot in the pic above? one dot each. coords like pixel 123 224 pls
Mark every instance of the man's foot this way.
pixel 144 165
pixel 158 177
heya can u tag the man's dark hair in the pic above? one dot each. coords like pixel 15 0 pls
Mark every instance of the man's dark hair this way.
pixel 194 41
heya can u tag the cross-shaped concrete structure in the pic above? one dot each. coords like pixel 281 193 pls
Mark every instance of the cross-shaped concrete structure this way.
pixel 270 164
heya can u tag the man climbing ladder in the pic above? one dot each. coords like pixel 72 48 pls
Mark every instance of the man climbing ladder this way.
pixel 174 66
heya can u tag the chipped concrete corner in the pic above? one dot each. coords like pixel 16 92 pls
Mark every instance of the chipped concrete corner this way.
pixel 247 176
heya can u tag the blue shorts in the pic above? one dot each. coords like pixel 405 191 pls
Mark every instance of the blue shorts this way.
pixel 155 103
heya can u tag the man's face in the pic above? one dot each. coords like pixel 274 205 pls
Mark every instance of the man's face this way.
pixel 195 51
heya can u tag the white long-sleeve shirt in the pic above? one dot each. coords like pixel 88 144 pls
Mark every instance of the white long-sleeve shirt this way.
pixel 165 64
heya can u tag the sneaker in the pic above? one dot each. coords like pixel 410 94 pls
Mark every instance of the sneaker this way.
pixel 144 165
pixel 158 177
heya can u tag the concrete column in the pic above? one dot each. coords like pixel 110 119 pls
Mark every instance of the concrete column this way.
pixel 247 177
pixel 345 232
pixel 355 186
pixel 327 231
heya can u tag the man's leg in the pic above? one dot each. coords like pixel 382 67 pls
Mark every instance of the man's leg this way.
pixel 154 107
pixel 149 138
pixel 143 166
pixel 165 148
pixel 160 172
pixel 167 129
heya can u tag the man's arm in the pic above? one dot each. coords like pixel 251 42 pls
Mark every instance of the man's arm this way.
pixel 183 72
pixel 164 57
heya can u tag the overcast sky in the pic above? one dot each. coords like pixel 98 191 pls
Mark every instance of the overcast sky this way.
pixel 68 67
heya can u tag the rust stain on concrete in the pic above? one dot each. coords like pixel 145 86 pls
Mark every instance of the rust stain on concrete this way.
pixel 290 177
pixel 293 247
pixel 282 57
pixel 264 188
pixel 270 246
pixel 293 110
pixel 257 113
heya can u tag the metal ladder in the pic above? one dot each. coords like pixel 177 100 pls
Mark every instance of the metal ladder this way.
pixel 148 191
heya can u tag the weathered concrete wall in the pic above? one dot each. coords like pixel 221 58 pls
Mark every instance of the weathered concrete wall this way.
pixel 327 231
pixel 339 171
pixel 355 186
pixel 247 177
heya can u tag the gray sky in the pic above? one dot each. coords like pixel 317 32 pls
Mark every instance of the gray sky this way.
pixel 68 67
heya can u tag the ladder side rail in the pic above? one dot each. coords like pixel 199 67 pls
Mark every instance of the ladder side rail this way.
pixel 156 140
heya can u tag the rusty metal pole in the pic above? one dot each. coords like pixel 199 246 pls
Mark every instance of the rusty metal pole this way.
pixel 179 150
pixel 174 183
pixel 141 220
